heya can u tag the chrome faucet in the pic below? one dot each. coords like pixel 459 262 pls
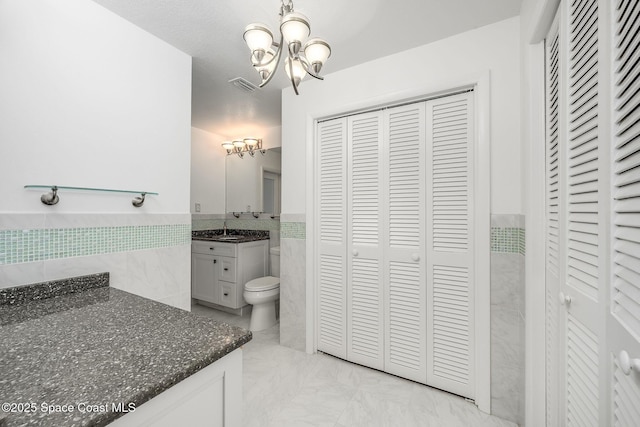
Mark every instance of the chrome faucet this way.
pixel 224 228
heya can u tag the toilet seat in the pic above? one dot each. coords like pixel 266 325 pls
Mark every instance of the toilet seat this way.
pixel 262 284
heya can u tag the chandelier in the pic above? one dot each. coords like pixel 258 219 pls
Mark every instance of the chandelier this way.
pixel 302 58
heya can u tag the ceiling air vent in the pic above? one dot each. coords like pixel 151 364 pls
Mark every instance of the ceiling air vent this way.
pixel 243 84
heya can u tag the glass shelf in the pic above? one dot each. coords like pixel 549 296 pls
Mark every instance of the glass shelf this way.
pixel 62 187
pixel 52 198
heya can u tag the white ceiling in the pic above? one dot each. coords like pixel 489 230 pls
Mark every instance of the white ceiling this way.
pixel 357 30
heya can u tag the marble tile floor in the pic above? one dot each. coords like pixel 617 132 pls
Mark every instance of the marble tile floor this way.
pixel 283 387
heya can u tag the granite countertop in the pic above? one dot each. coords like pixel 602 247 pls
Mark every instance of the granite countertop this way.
pixel 232 236
pixel 97 346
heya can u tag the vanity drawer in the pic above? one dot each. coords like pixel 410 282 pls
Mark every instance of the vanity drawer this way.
pixel 227 269
pixel 214 248
pixel 227 295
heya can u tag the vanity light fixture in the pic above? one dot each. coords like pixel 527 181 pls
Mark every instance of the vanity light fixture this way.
pixel 241 146
pixel 302 58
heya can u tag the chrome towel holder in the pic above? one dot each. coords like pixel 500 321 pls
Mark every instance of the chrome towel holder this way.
pixel 52 198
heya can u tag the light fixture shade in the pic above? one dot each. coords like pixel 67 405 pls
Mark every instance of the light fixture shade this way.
pixel 258 37
pixel 317 51
pixel 295 27
pixel 298 70
pixel 239 143
pixel 251 142
pixel 227 145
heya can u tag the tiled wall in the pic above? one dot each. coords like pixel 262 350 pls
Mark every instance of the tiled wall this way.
pixel 145 254
pixel 507 317
pixel 293 267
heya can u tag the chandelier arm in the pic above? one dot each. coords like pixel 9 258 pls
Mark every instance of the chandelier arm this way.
pixel 277 61
pixel 291 77
pixel 275 57
pixel 307 68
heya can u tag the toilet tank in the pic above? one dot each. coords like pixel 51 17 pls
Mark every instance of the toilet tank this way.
pixel 275 261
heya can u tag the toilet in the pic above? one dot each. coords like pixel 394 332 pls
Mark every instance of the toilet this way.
pixel 263 293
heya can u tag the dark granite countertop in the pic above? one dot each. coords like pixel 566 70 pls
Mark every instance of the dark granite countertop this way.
pixel 98 346
pixel 232 236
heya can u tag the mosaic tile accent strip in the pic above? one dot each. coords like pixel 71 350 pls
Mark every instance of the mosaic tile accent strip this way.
pixel 508 239
pixel 293 230
pixel 19 246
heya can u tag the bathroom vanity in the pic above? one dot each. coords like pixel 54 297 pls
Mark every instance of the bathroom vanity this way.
pixel 221 265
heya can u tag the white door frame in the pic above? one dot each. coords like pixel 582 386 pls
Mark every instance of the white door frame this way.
pixel 533 132
pixel 481 84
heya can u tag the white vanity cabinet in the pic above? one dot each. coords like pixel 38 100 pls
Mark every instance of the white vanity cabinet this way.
pixel 219 270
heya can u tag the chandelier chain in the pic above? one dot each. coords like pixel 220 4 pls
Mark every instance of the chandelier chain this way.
pixel 287 7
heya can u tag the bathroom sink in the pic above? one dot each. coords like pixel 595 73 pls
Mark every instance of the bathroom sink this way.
pixel 228 238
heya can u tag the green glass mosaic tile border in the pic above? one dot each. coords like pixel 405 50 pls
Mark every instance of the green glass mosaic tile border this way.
pixel 293 230
pixel 236 224
pixel 509 239
pixel 19 246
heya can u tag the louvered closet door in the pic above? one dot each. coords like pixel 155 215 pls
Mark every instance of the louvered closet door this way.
pixel 581 325
pixel 624 315
pixel 332 232
pixel 553 185
pixel 450 244
pixel 405 281
pixel 365 209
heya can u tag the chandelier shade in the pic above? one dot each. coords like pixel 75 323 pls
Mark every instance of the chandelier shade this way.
pixel 259 39
pixel 302 57
pixel 317 51
pixel 295 28
pixel 294 69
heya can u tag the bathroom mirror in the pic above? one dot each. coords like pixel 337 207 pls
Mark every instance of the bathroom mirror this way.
pixel 252 184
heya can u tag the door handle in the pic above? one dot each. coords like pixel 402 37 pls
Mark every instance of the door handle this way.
pixel 212 248
pixel 564 299
pixel 226 269
pixel 215 261
pixel 355 252
pixel 627 364
pixel 415 257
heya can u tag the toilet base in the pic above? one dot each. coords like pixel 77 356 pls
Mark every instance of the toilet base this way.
pixel 263 316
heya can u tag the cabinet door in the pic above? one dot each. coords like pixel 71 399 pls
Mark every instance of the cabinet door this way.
pixel 450 245
pixel 332 272
pixel 365 340
pixel 405 285
pixel 204 278
pixel 623 313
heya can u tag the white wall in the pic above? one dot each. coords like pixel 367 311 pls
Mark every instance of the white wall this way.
pixel 87 99
pixel 431 67
pixel 207 172
pixel 90 100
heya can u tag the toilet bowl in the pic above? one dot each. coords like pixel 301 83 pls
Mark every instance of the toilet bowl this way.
pixel 262 293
